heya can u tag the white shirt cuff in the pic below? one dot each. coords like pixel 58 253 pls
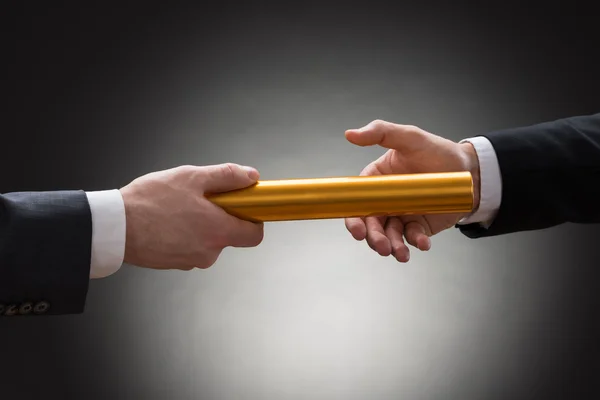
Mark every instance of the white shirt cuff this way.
pixel 491 183
pixel 108 232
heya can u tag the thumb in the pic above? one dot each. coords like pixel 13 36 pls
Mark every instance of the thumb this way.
pixel 227 177
pixel 386 134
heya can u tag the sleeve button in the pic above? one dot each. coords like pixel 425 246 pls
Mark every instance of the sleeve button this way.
pixel 11 310
pixel 41 307
pixel 25 308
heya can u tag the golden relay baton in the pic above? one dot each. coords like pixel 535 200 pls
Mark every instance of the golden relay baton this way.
pixel 354 196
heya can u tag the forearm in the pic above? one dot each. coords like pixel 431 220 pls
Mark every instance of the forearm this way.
pixel 549 176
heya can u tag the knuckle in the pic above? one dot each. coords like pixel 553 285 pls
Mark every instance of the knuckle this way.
pixel 219 239
pixel 229 170
pixel 378 123
pixel 185 168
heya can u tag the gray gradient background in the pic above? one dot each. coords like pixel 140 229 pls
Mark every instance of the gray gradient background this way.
pixel 98 98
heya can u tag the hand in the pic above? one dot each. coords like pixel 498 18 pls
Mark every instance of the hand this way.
pixel 412 150
pixel 171 225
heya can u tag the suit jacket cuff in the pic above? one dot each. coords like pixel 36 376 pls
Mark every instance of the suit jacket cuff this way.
pixel 45 251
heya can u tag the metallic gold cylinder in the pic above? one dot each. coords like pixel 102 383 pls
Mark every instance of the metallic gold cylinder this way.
pixel 356 196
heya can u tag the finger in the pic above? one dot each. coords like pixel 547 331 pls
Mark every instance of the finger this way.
pixel 243 233
pixel 209 259
pixel 394 230
pixel 376 237
pixel 226 177
pixel 374 168
pixel 357 228
pixel 416 235
pixel 375 233
pixel 386 134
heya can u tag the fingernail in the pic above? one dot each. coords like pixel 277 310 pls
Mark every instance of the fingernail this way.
pixel 252 172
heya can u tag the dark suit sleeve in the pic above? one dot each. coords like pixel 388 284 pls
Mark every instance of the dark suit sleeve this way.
pixel 550 176
pixel 45 252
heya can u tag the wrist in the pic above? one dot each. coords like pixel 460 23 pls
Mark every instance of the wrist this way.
pixel 471 162
pixel 129 255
